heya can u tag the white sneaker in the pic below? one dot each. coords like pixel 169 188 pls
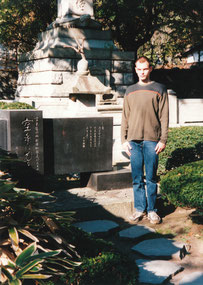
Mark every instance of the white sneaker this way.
pixel 154 218
pixel 137 216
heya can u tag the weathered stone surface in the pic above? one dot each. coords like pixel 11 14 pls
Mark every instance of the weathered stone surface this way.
pixel 136 231
pixel 156 271
pixel 75 33
pixel 46 77
pixel 120 55
pixel 116 78
pixel 110 180
pixel 102 64
pixel 121 89
pixel 22 134
pixel 88 44
pixel 97 226
pixel 194 278
pixel 46 64
pixel 67 8
pixel 128 79
pixel 122 66
pixel 159 247
pixel 75 145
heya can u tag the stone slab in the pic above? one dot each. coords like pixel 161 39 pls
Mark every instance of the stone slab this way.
pixel 136 232
pixel 75 33
pixel 88 44
pixel 75 145
pixel 156 271
pixel 88 203
pixel 59 52
pixel 97 226
pixel 159 247
pixel 22 133
pixel 194 278
pixel 110 180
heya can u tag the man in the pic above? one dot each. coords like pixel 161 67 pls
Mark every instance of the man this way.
pixel 144 131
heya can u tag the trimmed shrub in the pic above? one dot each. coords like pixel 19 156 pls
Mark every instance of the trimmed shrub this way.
pixel 183 186
pixel 107 268
pixel 185 144
pixel 15 105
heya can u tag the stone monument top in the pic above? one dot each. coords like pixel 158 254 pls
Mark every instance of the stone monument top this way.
pixel 75 13
pixel 75 8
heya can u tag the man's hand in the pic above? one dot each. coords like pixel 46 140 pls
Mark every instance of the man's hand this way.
pixel 160 147
pixel 127 148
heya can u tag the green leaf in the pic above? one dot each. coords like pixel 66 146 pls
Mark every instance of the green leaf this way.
pixel 6 273
pixel 44 255
pixel 13 234
pixel 29 235
pixel 36 268
pixel 15 282
pixel 36 276
pixel 27 267
pixel 27 252
pixel 11 264
pixel 6 187
pixel 59 264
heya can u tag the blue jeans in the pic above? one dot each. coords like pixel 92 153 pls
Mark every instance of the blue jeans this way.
pixel 143 154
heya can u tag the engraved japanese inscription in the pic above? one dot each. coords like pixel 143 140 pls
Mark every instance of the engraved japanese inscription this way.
pixel 78 144
pixel 24 136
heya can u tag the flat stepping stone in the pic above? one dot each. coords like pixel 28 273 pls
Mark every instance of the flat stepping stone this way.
pixel 159 247
pixel 156 271
pixel 96 226
pixel 136 231
pixel 194 278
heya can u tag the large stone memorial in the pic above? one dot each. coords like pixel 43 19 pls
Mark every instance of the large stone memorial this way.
pixel 78 145
pixel 48 75
pixel 21 132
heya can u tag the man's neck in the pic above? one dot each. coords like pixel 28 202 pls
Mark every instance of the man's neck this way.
pixel 144 83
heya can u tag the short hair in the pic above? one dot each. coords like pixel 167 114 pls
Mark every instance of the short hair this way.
pixel 143 59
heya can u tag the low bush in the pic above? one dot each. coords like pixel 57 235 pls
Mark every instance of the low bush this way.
pixel 185 144
pixel 106 268
pixel 15 105
pixel 183 186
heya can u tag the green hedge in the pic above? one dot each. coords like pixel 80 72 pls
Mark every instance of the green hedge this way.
pixel 183 186
pixel 185 144
pixel 15 105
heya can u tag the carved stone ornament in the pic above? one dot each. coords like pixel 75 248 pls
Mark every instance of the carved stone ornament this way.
pixel 80 4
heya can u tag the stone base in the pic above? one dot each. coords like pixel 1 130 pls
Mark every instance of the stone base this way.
pixel 110 180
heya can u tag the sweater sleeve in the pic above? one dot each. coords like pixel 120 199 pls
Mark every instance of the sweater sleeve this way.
pixel 124 121
pixel 164 116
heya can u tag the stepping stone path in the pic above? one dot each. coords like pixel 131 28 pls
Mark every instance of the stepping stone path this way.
pixel 97 226
pixel 195 278
pixel 154 263
pixel 156 271
pixel 159 247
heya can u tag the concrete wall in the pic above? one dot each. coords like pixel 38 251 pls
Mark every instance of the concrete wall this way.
pixel 185 111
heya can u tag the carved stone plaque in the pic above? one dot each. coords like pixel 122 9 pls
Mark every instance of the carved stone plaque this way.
pixel 76 145
pixel 22 133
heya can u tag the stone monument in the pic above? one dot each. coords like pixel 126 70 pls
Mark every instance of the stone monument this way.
pixel 21 132
pixel 49 78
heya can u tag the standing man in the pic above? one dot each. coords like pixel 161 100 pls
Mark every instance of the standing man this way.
pixel 144 131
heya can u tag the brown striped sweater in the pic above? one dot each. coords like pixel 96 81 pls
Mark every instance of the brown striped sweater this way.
pixel 145 113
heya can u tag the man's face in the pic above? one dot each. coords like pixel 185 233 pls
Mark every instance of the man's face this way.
pixel 143 70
